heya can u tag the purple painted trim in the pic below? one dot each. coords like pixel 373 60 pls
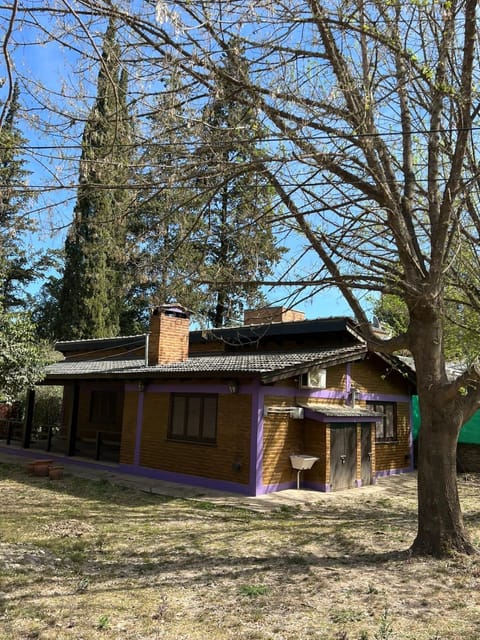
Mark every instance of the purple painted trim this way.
pixel 288 392
pixel 391 472
pixel 183 478
pixel 256 441
pixel 139 428
pixel 131 470
pixel 280 486
pixel 383 397
pixel 200 387
pixel 348 380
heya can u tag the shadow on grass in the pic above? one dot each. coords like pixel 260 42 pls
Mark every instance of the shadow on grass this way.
pixel 101 489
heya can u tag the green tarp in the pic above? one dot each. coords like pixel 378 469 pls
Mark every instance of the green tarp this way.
pixel 470 432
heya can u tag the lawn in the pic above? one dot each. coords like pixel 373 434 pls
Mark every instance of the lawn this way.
pixel 86 559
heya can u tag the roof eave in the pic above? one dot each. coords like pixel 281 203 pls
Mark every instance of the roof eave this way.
pixel 298 370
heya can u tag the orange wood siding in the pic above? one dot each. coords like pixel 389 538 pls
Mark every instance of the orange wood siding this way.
pixel 317 443
pixel 395 455
pixel 227 460
pixel 375 376
pixel 130 408
pixel 282 436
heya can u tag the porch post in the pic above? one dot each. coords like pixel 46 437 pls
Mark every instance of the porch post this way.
pixel 72 432
pixel 28 424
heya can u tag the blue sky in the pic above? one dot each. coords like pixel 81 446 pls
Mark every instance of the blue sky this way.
pixel 50 65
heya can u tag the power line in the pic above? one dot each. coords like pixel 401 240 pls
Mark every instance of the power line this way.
pixel 239 141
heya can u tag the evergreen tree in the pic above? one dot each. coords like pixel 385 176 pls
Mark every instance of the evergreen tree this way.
pixel 22 356
pixel 17 268
pixel 164 247
pixel 240 246
pixel 206 224
pixel 93 286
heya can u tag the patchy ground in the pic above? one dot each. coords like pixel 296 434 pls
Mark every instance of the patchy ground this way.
pixel 81 559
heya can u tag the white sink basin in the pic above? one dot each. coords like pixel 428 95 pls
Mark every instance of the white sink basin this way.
pixel 302 461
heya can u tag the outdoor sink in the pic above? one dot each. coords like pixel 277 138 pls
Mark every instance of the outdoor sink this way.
pixel 302 461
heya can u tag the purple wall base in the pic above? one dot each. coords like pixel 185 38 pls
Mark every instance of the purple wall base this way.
pixel 181 478
pixel 392 472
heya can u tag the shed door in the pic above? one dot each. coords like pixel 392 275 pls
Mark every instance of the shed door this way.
pixel 366 471
pixel 343 455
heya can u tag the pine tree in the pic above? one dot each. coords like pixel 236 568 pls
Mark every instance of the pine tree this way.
pixel 239 243
pixel 93 286
pixel 163 234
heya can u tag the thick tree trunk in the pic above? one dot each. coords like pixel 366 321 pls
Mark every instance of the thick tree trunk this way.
pixel 441 530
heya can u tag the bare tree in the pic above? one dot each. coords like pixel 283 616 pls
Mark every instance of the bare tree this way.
pixel 367 116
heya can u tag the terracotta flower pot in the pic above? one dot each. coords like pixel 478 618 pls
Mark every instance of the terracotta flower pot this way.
pixel 40 467
pixel 55 473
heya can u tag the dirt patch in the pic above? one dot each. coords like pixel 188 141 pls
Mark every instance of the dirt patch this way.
pixel 83 559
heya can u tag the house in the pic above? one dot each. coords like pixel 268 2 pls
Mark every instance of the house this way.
pixel 228 408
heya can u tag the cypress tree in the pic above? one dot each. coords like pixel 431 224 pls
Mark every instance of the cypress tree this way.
pixel 93 287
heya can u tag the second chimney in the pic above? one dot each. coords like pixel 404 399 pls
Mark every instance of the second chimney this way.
pixel 266 315
pixel 169 331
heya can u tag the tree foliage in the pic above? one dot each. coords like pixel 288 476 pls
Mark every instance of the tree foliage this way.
pixel 163 248
pixel 22 356
pixel 238 205
pixel 93 283
pixel 205 236
pixel 19 264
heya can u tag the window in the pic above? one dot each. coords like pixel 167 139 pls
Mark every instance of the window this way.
pixel 386 430
pixel 103 407
pixel 193 418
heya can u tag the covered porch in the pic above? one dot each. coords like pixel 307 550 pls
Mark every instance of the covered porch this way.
pixel 98 408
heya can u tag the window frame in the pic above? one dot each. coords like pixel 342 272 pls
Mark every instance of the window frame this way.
pixel 380 407
pixel 186 420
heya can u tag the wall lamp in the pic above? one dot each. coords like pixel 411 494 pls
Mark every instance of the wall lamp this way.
pixel 233 386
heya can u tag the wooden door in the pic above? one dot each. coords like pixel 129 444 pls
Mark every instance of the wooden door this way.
pixel 343 455
pixel 366 470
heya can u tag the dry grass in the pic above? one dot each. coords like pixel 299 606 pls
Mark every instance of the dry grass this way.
pixel 82 559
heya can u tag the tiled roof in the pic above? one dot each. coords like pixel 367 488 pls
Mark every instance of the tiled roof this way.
pixel 341 410
pixel 265 364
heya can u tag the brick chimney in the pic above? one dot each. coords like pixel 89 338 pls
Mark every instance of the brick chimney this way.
pixel 168 339
pixel 272 314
